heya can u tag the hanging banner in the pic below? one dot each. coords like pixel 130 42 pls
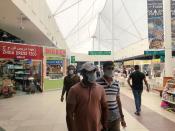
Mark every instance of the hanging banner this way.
pixel 155 24
pixel 173 22
pixel 19 51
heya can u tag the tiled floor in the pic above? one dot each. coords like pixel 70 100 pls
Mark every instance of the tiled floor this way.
pixel 45 112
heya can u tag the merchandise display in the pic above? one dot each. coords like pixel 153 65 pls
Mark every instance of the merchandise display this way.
pixel 168 95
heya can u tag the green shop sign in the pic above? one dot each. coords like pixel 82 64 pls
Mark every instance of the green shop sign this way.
pixel 99 53
pixel 159 52
pixel 73 59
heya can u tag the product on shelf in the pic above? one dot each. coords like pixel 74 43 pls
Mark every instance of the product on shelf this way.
pixel 168 95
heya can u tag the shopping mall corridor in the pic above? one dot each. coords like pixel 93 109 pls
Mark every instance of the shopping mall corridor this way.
pixel 45 112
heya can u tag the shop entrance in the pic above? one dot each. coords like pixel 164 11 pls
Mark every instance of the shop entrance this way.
pixel 20 69
pixel 21 75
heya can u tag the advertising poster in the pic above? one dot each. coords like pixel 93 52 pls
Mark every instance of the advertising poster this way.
pixel 155 24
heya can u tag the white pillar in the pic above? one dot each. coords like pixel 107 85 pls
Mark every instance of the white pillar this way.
pixel 167 38
pixel 99 39
pixel 112 30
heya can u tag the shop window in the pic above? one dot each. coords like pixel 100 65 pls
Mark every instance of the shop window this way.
pixel 21 72
pixel 54 69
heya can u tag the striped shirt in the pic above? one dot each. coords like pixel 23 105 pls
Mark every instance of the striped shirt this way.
pixel 112 91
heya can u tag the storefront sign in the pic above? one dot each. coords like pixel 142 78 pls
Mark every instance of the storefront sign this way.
pixel 131 62
pixel 52 51
pixel 55 62
pixel 146 62
pixel 19 51
pixel 154 61
pixel 137 62
pixel 154 52
pixel 155 24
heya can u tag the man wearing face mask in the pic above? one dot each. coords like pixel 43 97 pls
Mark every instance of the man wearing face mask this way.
pixel 70 80
pixel 86 103
pixel 111 86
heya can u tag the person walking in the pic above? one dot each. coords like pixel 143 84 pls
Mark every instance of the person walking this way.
pixel 137 78
pixel 112 89
pixel 86 103
pixel 71 79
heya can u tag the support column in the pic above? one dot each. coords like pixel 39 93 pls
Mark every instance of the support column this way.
pixel 167 38
pixel 113 47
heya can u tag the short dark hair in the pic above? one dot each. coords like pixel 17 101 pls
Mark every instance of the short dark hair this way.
pixel 136 67
pixel 71 67
pixel 108 63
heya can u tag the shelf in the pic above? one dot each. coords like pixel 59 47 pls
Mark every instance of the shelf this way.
pixel 168 101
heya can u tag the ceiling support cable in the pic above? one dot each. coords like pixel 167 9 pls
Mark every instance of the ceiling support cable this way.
pixel 86 13
pixel 69 7
pixel 59 7
pixel 126 10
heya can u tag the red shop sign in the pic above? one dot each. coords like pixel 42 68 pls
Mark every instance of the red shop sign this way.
pixel 53 51
pixel 19 51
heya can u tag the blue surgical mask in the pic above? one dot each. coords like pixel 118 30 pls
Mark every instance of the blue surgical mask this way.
pixel 91 77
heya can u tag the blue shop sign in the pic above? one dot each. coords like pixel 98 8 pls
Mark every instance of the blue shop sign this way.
pixel 55 62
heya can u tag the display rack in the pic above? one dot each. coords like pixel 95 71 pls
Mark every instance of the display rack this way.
pixel 20 73
pixel 168 95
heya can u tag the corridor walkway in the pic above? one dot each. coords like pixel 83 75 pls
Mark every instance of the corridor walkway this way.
pixel 45 112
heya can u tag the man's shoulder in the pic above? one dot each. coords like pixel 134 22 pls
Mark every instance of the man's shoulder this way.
pixel 66 77
pixel 99 88
pixel 135 73
pixel 100 79
pixel 76 86
pixel 76 76
pixel 98 85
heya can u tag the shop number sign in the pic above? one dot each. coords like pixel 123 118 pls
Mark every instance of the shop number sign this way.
pixel 19 51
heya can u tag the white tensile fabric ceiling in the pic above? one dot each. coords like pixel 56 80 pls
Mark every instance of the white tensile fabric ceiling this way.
pixel 79 20
pixel 129 24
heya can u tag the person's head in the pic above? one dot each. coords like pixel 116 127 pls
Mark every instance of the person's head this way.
pixel 108 69
pixel 136 67
pixel 70 70
pixel 88 71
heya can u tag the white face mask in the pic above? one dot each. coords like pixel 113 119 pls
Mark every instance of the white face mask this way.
pixel 71 72
pixel 109 73
pixel 91 77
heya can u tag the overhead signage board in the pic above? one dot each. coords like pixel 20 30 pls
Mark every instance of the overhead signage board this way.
pixel 99 53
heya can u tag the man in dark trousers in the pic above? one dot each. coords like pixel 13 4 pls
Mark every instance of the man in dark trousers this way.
pixel 86 103
pixel 137 78
pixel 71 79
pixel 112 90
